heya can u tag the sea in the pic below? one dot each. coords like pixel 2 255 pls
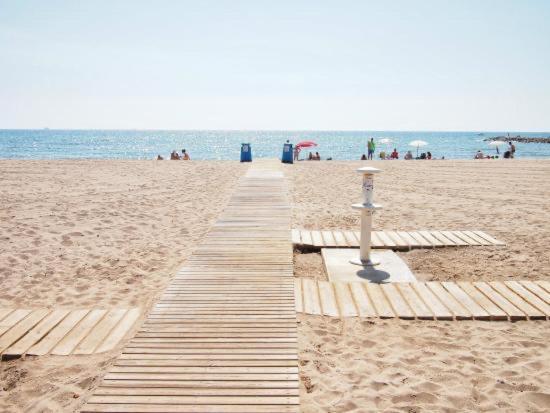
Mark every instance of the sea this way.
pixel 226 145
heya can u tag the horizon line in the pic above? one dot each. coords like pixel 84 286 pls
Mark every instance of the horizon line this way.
pixel 275 130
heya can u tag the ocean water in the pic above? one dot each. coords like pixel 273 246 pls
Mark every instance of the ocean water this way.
pixel 204 144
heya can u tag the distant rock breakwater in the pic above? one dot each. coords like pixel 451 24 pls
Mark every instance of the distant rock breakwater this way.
pixel 524 139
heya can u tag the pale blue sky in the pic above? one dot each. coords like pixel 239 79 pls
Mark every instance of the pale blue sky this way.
pixel 352 65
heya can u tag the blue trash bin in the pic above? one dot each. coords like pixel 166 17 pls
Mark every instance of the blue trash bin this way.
pixel 246 152
pixel 287 153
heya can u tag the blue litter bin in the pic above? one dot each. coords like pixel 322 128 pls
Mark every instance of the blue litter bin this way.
pixel 287 153
pixel 246 152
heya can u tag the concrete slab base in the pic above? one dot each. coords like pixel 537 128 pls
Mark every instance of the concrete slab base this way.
pixel 339 268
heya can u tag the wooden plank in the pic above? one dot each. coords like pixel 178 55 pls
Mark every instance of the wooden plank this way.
pixel 34 335
pixel 196 400
pixel 447 299
pixel 433 240
pixel 339 238
pixel 476 237
pixel 47 343
pixel 376 242
pixel 517 301
pixel 345 300
pixel 397 239
pixel 492 309
pixel 328 300
pixel 21 328
pixel 410 240
pixel 505 305
pixel 298 300
pixel 432 302
pixel 537 290
pixel 100 331
pixel 458 241
pixel 544 284
pixel 305 235
pixel 466 301
pixel 465 238
pixel 296 238
pixel 424 243
pixel 186 408
pixel 399 305
pixel 13 318
pixel 362 300
pixel 317 239
pixel 4 312
pixel 447 242
pixel 328 238
pixel 489 238
pixel 379 301
pixel 78 333
pixel 528 296
pixel 420 309
pixel 351 239
pixel 311 296
pixel 382 236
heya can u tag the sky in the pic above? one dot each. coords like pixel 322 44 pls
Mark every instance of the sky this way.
pixel 295 65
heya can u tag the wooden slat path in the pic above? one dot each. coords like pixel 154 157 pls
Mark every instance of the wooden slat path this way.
pixel 62 332
pixel 507 300
pixel 396 240
pixel 222 338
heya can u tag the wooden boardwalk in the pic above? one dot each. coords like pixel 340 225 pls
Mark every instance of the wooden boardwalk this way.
pixel 397 240
pixel 63 332
pixel 222 338
pixel 508 300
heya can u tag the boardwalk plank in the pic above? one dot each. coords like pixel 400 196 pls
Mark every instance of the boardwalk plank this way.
pixel 345 299
pixel 34 335
pixel 513 312
pixel 328 300
pixel 420 309
pixel 362 300
pixel 517 301
pixel 399 305
pixel 447 299
pixel 494 311
pixel 379 301
pixel 21 328
pixel 466 301
pixel 430 299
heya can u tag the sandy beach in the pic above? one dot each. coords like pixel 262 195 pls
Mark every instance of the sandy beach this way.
pixel 112 233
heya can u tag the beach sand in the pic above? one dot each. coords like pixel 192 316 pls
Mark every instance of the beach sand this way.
pixel 112 233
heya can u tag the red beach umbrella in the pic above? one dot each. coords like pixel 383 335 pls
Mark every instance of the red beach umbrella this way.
pixel 306 144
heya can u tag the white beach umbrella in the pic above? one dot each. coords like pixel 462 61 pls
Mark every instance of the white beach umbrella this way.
pixel 385 141
pixel 417 144
pixel 496 144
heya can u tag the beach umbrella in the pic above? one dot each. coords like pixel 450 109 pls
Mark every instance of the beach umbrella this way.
pixel 496 144
pixel 418 144
pixel 385 141
pixel 306 144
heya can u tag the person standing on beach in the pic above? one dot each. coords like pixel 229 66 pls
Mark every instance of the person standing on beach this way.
pixel 512 149
pixel 296 153
pixel 371 146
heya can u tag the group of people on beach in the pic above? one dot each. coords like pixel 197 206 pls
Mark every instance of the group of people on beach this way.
pixel 371 148
pixel 509 154
pixel 175 156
